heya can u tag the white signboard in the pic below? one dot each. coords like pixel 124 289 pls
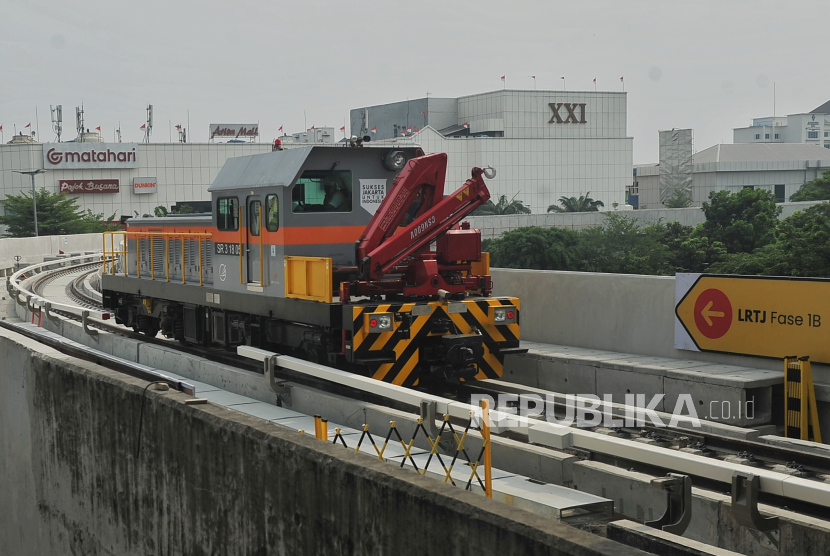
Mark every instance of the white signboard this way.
pixel 144 186
pixel 57 156
pixel 372 193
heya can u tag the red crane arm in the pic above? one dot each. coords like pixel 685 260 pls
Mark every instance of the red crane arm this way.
pixel 421 181
pixel 432 220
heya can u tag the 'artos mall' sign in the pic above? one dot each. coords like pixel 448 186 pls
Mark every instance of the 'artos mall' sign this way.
pixel 57 156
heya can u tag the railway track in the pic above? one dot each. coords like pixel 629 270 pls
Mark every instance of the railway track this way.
pixel 791 461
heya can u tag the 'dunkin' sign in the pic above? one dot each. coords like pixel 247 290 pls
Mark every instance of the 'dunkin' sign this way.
pixel 372 193
pixel 144 186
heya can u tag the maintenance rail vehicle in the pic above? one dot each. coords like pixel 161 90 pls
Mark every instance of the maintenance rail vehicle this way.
pixel 310 251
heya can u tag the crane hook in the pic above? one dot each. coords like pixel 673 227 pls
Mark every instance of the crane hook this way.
pixel 489 172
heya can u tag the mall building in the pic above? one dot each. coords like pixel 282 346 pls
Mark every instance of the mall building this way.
pixel 121 178
pixel 543 144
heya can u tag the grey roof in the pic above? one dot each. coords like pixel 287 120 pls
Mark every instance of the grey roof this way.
pixel 762 152
pixel 274 168
pixel 823 109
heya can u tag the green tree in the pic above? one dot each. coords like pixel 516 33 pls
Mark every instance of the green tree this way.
pixel 740 221
pixel 534 247
pixel 57 214
pixel 679 199
pixel 621 246
pixel 816 190
pixel 583 203
pixel 804 242
pixel 503 206
pixel 159 212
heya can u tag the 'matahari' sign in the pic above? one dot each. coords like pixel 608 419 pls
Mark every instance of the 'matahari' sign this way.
pixel 753 315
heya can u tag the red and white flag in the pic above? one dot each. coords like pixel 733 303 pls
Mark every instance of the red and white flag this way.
pixel 595 79
pixel 98 128
pixel 374 129
pixel 280 128
pixel 178 126
pixel 343 128
pixel 143 126
pixel 563 77
pixel 533 77
pixel 1 128
pixel 29 124
pixel 417 129
pixel 502 77
pixel 409 129
pixel 621 78
pixel 312 127
pixel 464 125
pixel 403 134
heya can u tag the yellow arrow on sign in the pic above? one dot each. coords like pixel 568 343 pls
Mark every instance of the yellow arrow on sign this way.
pixel 754 315
pixel 707 314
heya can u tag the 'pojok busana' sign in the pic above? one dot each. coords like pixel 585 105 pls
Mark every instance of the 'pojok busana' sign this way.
pixel 88 186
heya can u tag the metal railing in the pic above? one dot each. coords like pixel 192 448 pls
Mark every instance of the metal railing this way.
pixel 183 237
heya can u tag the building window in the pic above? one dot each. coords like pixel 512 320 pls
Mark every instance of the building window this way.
pixel 766 136
pixel 776 136
pixel 272 213
pixel 812 135
pixel 780 193
pixel 757 135
pixel 227 213
pixel 827 133
pixel 323 191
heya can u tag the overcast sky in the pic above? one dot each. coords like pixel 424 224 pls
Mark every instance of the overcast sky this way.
pixel 708 65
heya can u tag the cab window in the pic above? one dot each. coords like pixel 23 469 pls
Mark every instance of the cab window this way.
pixel 272 213
pixel 322 191
pixel 227 213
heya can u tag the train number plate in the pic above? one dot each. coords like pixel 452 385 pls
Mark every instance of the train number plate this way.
pixel 227 248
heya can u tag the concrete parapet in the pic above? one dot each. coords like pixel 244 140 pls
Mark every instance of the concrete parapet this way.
pixel 209 480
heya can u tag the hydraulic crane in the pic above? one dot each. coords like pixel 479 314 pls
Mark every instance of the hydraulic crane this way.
pixel 394 254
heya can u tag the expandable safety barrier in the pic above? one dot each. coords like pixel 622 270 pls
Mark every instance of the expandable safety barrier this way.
pixel 459 451
pixel 800 410
pixel 185 249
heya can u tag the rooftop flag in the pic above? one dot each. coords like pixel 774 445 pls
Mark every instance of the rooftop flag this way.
pixel 178 126
pixel 98 128
pixel 464 125
pixel 595 79
pixel 374 129
pixel 343 128
pixel 502 77
pixel 144 126
pixel 29 124
pixel 312 127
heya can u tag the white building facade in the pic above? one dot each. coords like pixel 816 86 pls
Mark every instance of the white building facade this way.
pixel 120 178
pixel 543 144
pixel 812 128
pixel 778 168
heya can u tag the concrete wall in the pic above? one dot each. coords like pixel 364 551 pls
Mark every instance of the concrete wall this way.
pixel 494 226
pixel 209 480
pixel 32 249
pixel 627 313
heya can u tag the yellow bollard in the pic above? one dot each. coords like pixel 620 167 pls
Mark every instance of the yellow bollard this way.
pixel 488 459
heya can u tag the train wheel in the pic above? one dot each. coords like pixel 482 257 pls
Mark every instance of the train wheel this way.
pixel 148 325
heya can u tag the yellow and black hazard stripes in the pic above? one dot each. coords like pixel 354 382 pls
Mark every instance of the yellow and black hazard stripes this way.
pixel 397 357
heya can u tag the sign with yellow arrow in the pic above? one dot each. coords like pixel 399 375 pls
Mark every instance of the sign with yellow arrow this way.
pixel 753 315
